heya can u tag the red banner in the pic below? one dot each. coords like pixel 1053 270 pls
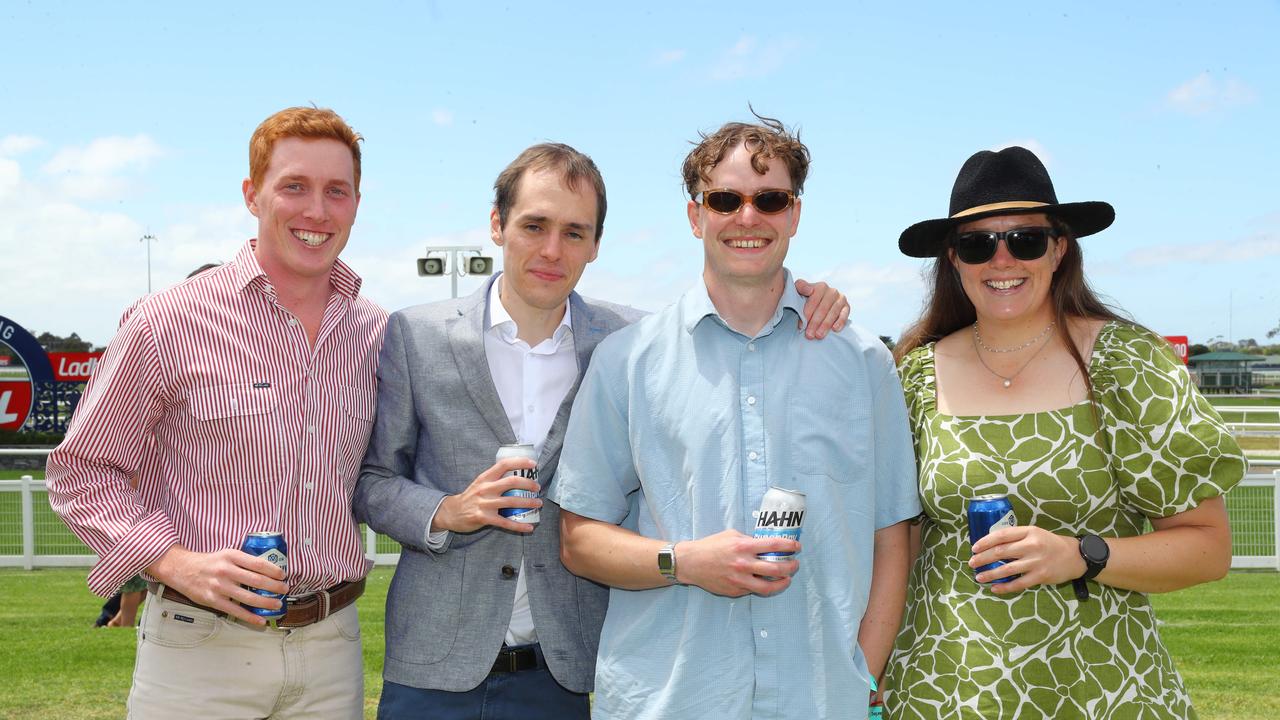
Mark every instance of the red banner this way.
pixel 73 367
pixel 15 403
pixel 1180 345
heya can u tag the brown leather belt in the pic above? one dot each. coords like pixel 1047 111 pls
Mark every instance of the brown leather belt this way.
pixel 302 611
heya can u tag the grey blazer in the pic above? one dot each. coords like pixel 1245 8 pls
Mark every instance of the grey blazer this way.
pixel 438 425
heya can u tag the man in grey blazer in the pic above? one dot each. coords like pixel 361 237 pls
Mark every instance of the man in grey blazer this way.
pixel 483 620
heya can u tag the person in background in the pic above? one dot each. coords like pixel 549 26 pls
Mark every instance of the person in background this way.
pixel 1021 383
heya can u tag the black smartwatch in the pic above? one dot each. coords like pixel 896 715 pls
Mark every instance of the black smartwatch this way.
pixel 1095 552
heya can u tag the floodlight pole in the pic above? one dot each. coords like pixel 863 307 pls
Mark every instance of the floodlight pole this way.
pixel 453 264
pixel 148 239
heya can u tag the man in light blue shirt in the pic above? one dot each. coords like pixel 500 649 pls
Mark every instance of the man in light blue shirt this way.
pixel 682 423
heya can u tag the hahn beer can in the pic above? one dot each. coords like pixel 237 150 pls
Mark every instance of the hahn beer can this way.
pixel 271 547
pixel 781 514
pixel 524 515
pixel 987 513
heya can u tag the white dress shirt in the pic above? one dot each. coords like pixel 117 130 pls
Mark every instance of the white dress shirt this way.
pixel 532 383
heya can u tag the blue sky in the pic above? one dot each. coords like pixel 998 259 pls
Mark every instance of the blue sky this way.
pixel 119 119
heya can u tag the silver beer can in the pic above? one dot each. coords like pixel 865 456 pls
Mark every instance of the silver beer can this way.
pixel 781 514
pixel 524 515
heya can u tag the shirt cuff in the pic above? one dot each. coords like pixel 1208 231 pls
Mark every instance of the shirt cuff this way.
pixel 145 543
pixel 437 541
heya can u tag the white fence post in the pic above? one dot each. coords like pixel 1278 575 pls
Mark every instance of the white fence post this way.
pixel 28 525
pixel 371 541
pixel 1275 514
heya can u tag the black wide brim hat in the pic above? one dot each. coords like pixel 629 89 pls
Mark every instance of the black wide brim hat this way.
pixel 1012 181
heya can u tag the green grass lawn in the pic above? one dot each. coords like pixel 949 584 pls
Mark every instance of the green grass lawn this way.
pixel 1225 638
pixel 1259 442
pixel 1239 401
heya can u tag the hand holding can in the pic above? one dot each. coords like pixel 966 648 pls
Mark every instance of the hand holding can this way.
pixel 519 514
pixel 986 514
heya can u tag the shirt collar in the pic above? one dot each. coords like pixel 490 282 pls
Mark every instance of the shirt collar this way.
pixel 696 306
pixel 247 271
pixel 498 320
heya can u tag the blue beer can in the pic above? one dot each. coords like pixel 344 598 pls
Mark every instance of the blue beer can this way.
pixel 987 513
pixel 271 547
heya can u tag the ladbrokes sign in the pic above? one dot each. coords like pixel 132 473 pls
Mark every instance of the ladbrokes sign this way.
pixel 20 390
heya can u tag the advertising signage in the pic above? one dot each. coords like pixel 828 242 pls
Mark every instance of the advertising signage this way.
pixel 38 386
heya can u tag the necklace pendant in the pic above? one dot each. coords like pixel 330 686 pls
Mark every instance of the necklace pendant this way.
pixel 1007 383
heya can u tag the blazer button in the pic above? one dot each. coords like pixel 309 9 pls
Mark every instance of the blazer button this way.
pixel 508 572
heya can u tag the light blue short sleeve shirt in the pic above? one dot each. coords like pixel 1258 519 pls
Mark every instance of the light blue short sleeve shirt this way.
pixel 680 426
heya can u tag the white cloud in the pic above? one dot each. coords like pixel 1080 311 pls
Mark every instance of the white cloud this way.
pixel 1259 245
pixel 441 117
pixel 17 144
pixel 748 58
pixel 1204 93
pixel 669 57
pixel 1034 146
pixel 10 176
pixel 96 171
pixel 105 156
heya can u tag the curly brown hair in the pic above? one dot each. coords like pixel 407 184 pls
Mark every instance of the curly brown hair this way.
pixel 766 140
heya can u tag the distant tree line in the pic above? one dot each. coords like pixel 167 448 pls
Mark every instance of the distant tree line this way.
pixel 70 343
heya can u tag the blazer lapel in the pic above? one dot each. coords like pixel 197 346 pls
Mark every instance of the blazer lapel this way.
pixel 466 342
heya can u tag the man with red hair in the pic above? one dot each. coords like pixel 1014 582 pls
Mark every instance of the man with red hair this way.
pixel 257 382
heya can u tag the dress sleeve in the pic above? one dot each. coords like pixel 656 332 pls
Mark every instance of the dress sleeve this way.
pixel 916 372
pixel 1169 448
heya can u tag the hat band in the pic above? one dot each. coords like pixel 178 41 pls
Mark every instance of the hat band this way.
pixel 999 206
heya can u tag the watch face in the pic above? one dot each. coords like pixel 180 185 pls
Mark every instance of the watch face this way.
pixel 1094 549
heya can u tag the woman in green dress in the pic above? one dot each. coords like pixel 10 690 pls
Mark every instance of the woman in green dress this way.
pixel 1020 382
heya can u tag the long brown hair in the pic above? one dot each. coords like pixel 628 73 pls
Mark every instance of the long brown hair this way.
pixel 948 308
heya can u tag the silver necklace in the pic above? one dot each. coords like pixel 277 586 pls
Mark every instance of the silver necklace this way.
pixel 1006 381
pixel 978 339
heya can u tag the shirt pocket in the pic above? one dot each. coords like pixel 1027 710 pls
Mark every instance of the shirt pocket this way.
pixel 236 429
pixel 227 402
pixel 358 406
pixel 829 434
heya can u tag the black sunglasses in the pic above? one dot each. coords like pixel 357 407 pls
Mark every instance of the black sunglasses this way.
pixel 979 246
pixel 728 202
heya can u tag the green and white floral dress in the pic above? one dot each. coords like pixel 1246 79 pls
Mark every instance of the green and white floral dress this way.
pixel 965 652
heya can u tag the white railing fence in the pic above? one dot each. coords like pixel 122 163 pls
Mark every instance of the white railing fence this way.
pixel 32 536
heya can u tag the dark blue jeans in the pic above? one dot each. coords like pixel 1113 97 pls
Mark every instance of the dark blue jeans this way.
pixel 524 695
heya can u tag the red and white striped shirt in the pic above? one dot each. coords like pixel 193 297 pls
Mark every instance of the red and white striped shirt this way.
pixel 253 428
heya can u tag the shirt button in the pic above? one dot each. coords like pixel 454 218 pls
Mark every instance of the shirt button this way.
pixel 751 399
pixel 293 321
pixel 508 572
pixel 764 633
pixel 311 428
pixel 752 455
pixel 306 542
pixel 309 485
pixel 751 347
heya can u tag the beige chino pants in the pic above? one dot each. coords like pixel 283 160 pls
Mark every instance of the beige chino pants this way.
pixel 194 664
